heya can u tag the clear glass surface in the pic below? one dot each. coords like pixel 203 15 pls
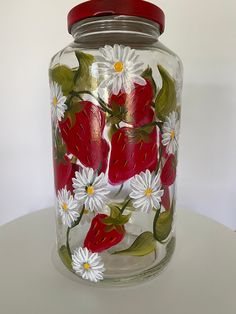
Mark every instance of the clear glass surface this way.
pixel 115 100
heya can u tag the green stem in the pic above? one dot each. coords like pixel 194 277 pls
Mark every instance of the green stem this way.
pixel 99 99
pixel 77 222
pixel 151 124
pixel 125 205
pixel 154 123
pixel 67 241
pixel 120 189
pixel 155 222
pixel 159 160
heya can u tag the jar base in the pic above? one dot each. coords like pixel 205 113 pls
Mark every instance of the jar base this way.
pixel 130 270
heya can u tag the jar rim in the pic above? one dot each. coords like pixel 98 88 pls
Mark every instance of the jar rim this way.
pixel 95 8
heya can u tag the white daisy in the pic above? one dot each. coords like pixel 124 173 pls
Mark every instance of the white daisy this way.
pixel 171 133
pixel 90 189
pixel 57 102
pixel 67 207
pixel 88 265
pixel 146 191
pixel 120 69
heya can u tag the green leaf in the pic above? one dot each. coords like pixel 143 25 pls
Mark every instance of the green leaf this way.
pixel 65 257
pixel 119 113
pixel 114 120
pixel 116 218
pixel 147 74
pixel 162 224
pixel 83 79
pixel 129 207
pixel 64 76
pixel 73 108
pixel 60 148
pixel 143 245
pixel 166 99
pixel 115 211
pixel 112 130
pixel 148 128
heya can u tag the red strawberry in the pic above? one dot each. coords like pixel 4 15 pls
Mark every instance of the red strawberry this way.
pixel 134 108
pixel 101 237
pixel 133 151
pixel 165 200
pixel 168 173
pixel 82 133
pixel 64 171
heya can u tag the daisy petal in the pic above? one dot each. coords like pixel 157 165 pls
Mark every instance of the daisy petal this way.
pixel 88 265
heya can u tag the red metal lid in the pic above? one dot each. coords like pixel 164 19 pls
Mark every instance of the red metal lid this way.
pixel 95 8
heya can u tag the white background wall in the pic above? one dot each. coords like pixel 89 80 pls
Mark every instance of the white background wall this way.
pixel 203 33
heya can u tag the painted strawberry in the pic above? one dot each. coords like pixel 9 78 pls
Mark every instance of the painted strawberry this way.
pixel 168 173
pixel 133 150
pixel 64 172
pixel 134 108
pixel 82 132
pixel 165 200
pixel 102 236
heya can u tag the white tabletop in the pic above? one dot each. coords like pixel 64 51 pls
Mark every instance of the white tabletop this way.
pixel 201 277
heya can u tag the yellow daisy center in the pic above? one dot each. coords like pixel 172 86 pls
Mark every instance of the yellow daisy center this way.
pixel 54 101
pixel 90 190
pixel 119 66
pixel 172 134
pixel 65 207
pixel 148 192
pixel 87 266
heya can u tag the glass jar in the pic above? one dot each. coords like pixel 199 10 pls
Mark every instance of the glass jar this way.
pixel 115 100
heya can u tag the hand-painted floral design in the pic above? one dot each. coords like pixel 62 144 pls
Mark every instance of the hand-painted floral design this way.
pixel 82 132
pixel 88 265
pixel 134 108
pixel 102 236
pixel 67 207
pixel 90 189
pixel 146 191
pixel 64 171
pixel 168 173
pixel 133 151
pixel 120 68
pixel 171 133
pixel 58 105
pixel 115 132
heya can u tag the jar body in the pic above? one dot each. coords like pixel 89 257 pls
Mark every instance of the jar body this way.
pixel 115 117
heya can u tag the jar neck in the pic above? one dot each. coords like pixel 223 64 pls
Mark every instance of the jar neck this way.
pixel 115 28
